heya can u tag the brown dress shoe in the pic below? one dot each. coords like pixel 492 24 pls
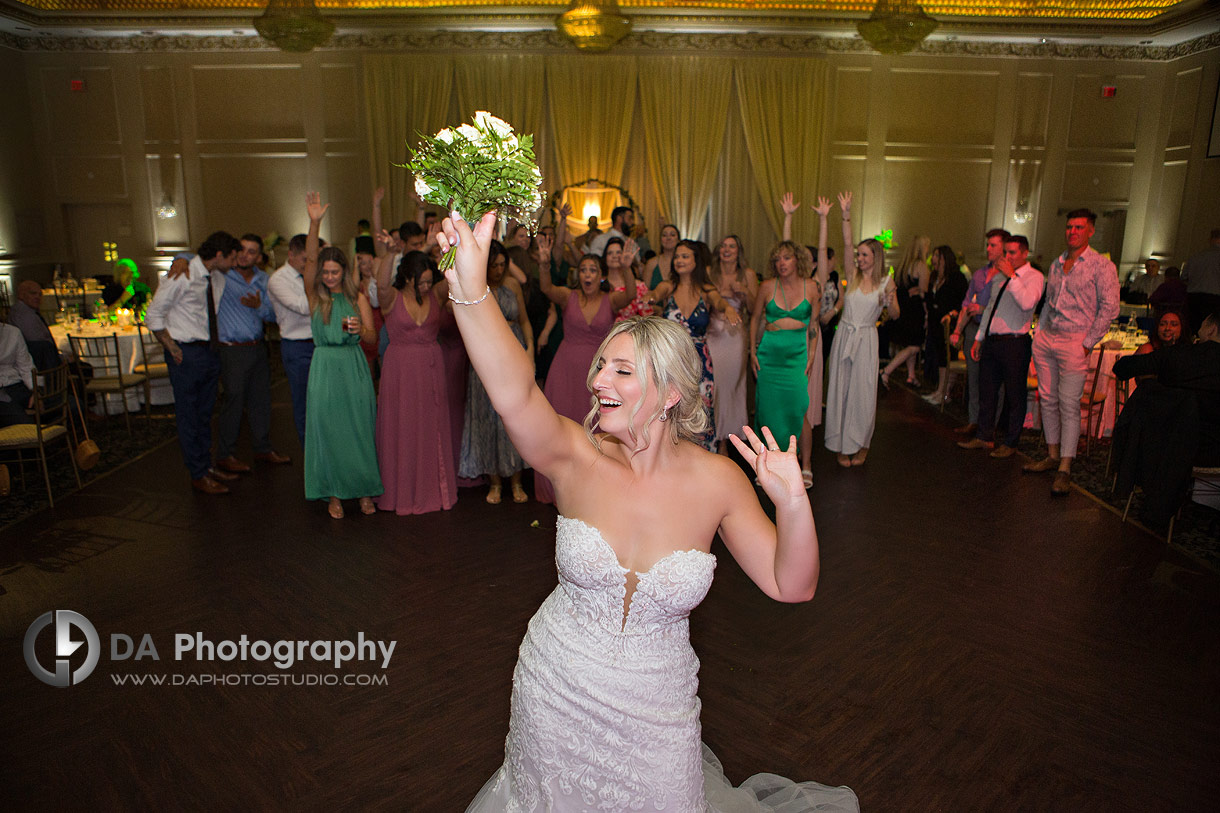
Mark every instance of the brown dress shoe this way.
pixel 220 474
pixel 1062 484
pixel 1003 451
pixel 976 443
pixel 967 430
pixel 232 464
pixel 207 485
pixel 1045 464
pixel 273 457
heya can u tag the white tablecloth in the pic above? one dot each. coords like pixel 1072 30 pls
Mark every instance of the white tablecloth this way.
pixel 129 351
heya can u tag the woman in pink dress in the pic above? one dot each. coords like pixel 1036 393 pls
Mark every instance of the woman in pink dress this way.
pixel 588 314
pixel 414 440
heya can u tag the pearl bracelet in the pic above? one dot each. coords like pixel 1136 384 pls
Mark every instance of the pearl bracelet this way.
pixel 457 301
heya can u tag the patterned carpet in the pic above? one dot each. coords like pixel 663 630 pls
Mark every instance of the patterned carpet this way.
pixel 117 448
pixel 1196 531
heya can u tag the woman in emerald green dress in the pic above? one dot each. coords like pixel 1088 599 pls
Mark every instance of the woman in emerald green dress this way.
pixel 784 340
pixel 340 407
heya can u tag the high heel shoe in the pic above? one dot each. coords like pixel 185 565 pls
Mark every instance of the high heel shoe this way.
pixel 493 495
pixel 367 507
pixel 335 509
pixel 519 494
pixel 885 381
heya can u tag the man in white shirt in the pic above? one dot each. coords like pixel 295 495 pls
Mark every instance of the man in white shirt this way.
pixel 1081 299
pixel 183 318
pixel 16 374
pixel 1002 345
pixel 622 221
pixel 286 289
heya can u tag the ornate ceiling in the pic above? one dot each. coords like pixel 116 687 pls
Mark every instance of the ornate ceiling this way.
pixel 1063 9
pixel 1162 27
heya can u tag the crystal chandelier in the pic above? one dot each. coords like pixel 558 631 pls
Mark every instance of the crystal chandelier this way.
pixel 593 25
pixel 294 25
pixel 896 26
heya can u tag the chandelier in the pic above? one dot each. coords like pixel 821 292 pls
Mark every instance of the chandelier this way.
pixel 896 26
pixel 593 25
pixel 294 25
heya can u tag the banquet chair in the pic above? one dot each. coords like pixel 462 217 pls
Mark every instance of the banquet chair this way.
pixel 51 404
pixel 1094 400
pixel 1121 390
pixel 953 366
pixel 109 375
pixel 1204 480
pixel 151 365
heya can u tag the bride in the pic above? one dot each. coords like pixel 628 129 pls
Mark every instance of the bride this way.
pixel 605 715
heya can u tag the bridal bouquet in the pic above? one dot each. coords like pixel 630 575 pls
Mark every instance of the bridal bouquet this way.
pixel 477 168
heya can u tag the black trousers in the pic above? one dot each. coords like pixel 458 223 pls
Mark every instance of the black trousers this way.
pixel 245 385
pixel 12 409
pixel 1003 360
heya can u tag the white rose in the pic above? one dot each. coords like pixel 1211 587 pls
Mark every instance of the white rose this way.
pixel 487 121
pixel 470 134
pixel 422 189
pixel 445 135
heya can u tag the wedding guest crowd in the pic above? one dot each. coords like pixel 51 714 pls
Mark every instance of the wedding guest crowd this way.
pixel 429 428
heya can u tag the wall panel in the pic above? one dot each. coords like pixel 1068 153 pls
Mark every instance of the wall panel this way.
pixel 249 102
pixel 1099 122
pixel 88 178
pixel 258 193
pixel 850 105
pixel 1185 108
pixel 160 104
pixel 1096 182
pixel 1164 225
pixel 942 106
pixel 88 117
pixel 937 198
pixel 1033 102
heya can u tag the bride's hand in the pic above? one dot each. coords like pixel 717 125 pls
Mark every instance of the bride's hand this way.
pixel 778 472
pixel 467 277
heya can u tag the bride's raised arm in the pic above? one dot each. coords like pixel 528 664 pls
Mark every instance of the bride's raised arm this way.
pixel 544 439
pixel 781 558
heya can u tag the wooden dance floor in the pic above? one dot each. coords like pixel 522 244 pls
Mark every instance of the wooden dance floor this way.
pixel 973 645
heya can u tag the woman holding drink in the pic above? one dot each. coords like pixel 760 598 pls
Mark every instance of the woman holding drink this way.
pixel 340 408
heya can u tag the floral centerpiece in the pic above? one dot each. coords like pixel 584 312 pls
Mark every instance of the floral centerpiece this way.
pixel 478 168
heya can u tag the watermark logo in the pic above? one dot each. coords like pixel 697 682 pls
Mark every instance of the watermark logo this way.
pixel 65 646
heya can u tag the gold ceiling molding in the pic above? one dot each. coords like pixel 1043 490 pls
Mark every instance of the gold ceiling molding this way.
pixel 646 42
pixel 996 9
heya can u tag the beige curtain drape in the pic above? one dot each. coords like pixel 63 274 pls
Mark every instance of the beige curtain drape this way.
pixel 505 85
pixel 405 95
pixel 782 103
pixel 684 104
pixel 592 103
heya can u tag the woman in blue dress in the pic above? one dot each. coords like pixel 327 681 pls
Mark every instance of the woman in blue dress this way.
pixel 688 297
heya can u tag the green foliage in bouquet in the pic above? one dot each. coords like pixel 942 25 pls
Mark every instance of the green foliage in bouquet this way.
pixel 478 168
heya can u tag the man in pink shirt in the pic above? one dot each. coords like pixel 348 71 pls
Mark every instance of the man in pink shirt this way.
pixel 1082 296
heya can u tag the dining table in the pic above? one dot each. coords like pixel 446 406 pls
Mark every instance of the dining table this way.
pixel 129 357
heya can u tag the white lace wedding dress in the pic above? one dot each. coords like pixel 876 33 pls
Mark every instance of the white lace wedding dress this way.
pixel 605 715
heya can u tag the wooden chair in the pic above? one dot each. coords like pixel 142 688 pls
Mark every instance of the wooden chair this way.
pixel 1094 400
pixel 109 375
pixel 151 364
pixel 51 404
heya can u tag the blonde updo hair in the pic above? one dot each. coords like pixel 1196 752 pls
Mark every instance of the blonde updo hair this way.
pixel 665 358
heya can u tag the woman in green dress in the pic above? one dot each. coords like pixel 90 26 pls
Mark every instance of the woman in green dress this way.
pixel 784 340
pixel 340 407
